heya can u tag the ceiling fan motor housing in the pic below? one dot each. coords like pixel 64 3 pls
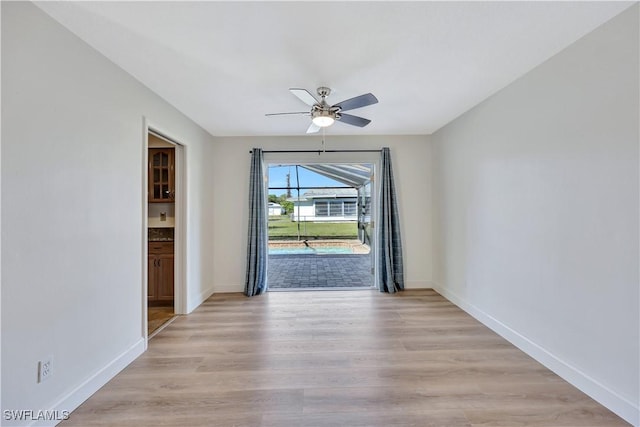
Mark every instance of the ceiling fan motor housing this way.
pixel 322 114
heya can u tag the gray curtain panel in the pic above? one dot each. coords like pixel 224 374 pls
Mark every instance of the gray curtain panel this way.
pixel 257 246
pixel 389 257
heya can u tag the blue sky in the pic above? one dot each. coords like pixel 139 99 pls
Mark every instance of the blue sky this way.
pixel 277 178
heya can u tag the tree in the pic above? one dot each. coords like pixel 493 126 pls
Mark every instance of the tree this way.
pixel 287 205
pixel 273 198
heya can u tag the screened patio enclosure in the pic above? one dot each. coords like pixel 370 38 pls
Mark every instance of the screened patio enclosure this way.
pixel 324 239
pixel 343 196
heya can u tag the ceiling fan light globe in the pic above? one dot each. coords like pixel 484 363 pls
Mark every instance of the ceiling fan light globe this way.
pixel 323 121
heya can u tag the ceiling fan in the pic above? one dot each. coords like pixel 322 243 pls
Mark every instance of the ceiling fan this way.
pixel 323 114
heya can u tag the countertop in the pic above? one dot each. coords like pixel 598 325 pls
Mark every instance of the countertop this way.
pixel 156 223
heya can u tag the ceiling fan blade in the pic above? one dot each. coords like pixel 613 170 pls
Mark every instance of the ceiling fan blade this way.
pixel 284 114
pixel 357 102
pixel 353 120
pixel 313 128
pixel 304 96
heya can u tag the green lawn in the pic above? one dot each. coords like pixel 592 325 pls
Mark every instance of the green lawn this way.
pixel 282 228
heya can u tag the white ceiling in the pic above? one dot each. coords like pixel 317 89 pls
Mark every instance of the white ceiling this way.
pixel 226 64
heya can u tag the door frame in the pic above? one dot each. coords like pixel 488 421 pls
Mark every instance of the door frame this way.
pixel 180 225
pixel 345 157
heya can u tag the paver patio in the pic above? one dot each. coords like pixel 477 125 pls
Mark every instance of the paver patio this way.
pixel 296 271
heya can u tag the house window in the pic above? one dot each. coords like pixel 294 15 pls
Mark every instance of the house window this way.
pixel 322 209
pixel 350 209
pixel 335 208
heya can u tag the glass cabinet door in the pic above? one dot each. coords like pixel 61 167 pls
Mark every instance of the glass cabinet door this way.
pixel 161 175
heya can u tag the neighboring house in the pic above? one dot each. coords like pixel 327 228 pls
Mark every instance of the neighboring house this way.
pixel 326 205
pixel 275 209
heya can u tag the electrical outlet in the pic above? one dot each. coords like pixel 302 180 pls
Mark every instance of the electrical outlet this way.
pixel 45 368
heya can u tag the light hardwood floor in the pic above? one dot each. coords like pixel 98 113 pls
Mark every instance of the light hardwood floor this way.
pixel 335 358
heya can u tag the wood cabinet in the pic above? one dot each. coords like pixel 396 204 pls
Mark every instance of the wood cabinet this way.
pixel 161 273
pixel 161 175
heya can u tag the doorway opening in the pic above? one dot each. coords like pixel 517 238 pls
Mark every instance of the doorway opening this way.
pixel 320 220
pixel 163 234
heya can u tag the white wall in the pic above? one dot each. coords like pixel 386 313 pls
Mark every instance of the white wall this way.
pixel 536 225
pixel 411 158
pixel 73 205
pixel 304 209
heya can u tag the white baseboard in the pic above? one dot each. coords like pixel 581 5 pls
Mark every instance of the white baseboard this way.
pixel 418 285
pixel 85 390
pixel 228 288
pixel 624 408
pixel 194 303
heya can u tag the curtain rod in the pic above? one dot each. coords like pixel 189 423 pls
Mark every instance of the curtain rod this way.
pixel 308 188
pixel 319 151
